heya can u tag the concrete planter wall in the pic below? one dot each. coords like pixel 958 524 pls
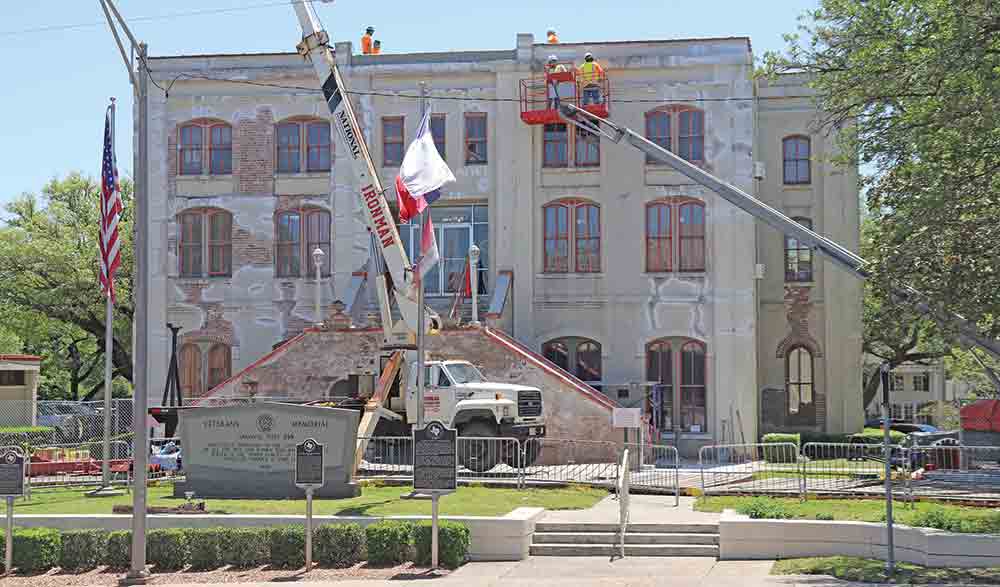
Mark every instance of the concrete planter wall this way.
pixel 741 538
pixel 506 538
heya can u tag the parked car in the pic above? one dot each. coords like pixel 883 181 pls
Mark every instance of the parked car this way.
pixel 897 425
pixel 72 421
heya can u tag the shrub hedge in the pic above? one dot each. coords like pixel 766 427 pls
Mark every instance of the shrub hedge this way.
pixel 453 543
pixel 781 454
pixel 119 552
pixel 244 547
pixel 83 550
pixel 389 542
pixel 288 547
pixel 167 549
pixel 339 545
pixel 764 508
pixel 35 549
pixel 203 546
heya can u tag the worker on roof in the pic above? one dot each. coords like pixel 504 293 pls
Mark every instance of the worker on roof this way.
pixel 377 47
pixel 366 41
pixel 590 75
pixel 556 87
pixel 553 37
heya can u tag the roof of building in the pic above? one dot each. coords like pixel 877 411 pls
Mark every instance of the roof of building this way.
pixel 33 358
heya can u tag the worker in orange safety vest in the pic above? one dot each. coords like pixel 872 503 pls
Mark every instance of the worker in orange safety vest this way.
pixel 553 37
pixel 590 74
pixel 366 41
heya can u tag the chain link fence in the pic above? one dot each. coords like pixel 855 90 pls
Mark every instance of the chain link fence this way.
pixel 62 422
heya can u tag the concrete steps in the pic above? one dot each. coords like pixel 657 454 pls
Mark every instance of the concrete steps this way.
pixel 583 539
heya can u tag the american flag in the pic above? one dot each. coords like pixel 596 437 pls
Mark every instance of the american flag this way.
pixel 111 209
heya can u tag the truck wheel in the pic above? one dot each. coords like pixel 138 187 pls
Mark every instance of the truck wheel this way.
pixel 478 456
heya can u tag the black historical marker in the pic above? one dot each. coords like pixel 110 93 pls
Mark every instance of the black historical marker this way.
pixel 11 473
pixel 309 464
pixel 434 451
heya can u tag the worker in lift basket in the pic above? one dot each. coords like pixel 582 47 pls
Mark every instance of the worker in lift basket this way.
pixel 556 88
pixel 377 47
pixel 366 41
pixel 552 36
pixel 590 75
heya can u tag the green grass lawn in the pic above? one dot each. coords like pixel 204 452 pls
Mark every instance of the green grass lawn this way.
pixel 873 571
pixel 374 501
pixel 865 510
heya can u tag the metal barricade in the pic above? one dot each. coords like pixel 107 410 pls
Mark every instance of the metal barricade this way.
pixel 624 499
pixel 838 467
pixel 955 471
pixel 762 468
pixel 655 469
pixel 387 457
pixel 557 460
pixel 490 458
pixel 75 465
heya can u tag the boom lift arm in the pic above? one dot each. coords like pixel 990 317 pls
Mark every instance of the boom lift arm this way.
pixel 854 264
pixel 315 48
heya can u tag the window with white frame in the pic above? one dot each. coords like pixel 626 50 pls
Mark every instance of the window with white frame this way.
pixel 456 228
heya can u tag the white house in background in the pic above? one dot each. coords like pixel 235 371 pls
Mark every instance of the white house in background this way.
pixel 918 392
pixel 19 382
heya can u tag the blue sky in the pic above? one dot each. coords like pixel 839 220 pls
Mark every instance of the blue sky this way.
pixel 57 83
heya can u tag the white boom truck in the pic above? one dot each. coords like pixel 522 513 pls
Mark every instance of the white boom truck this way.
pixel 967 332
pixel 456 393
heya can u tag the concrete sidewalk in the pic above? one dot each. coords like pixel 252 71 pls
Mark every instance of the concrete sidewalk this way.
pixel 644 509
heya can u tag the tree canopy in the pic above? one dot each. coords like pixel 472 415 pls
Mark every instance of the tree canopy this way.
pixel 51 298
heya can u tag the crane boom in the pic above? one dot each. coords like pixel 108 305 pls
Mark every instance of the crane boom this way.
pixel 841 256
pixel 378 216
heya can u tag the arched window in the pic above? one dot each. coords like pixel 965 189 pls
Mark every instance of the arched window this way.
pixel 684 218
pixel 205 145
pixel 293 249
pixel 584 233
pixel 579 356
pixel 303 145
pixel 679 129
pixel 798 256
pixel 205 233
pixel 795 154
pixel 681 399
pixel 219 364
pixel 799 378
pixel 189 360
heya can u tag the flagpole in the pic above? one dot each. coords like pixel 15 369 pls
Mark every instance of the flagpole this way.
pixel 421 384
pixel 109 341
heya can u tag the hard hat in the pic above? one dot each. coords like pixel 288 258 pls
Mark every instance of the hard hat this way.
pixel 551 31
pixel 553 59
pixel 588 55
pixel 370 29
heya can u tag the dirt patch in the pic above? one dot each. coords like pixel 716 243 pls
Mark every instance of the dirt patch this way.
pixel 104 576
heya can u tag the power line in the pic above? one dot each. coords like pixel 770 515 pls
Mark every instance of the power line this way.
pixel 81 25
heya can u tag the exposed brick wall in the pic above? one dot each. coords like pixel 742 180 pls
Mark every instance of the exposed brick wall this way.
pixel 172 162
pixel 253 153
pixel 215 328
pixel 248 249
pixel 308 367
pixel 797 309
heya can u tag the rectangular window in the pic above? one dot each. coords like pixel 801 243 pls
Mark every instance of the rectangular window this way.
pixel 220 244
pixel 897 383
pixel 318 146
pixel 795 156
pixel 588 239
pixel 221 150
pixel 455 228
pixel 588 148
pixel 392 141
pixel 191 244
pixel 658 238
pixel 438 132
pixel 692 237
pixel 922 382
pixel 798 257
pixel 555 145
pixel 658 131
pixel 318 237
pixel 694 409
pixel 289 245
pixel 11 378
pixel 192 142
pixel 556 239
pixel 289 154
pixel 691 135
pixel 475 138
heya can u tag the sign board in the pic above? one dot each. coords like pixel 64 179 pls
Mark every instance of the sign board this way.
pixel 11 473
pixel 626 418
pixel 435 450
pixel 309 464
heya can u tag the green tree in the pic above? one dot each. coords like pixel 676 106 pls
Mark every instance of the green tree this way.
pixel 51 292
pixel 912 88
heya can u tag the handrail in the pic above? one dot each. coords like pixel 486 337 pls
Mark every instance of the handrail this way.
pixel 623 501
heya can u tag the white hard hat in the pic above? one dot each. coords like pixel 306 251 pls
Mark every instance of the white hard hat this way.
pixel 588 55
pixel 553 59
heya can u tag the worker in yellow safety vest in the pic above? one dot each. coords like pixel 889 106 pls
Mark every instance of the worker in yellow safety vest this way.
pixel 590 74
pixel 366 41
pixel 553 37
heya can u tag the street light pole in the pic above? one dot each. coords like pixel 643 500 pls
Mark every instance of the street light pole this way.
pixel 474 253
pixel 318 255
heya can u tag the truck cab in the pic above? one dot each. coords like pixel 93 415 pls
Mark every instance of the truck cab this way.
pixel 457 394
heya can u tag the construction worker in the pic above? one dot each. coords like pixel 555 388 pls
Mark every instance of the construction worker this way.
pixel 553 37
pixel 556 87
pixel 590 76
pixel 366 41
pixel 377 47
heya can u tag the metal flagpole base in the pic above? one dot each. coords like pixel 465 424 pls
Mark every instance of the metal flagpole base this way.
pixel 107 491
pixel 133 578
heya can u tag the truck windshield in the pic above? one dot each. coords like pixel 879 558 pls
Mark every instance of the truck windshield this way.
pixel 464 373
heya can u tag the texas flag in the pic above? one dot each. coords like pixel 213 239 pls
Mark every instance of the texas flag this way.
pixel 429 255
pixel 422 174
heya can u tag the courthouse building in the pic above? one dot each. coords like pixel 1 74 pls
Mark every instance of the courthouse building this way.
pixel 614 267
